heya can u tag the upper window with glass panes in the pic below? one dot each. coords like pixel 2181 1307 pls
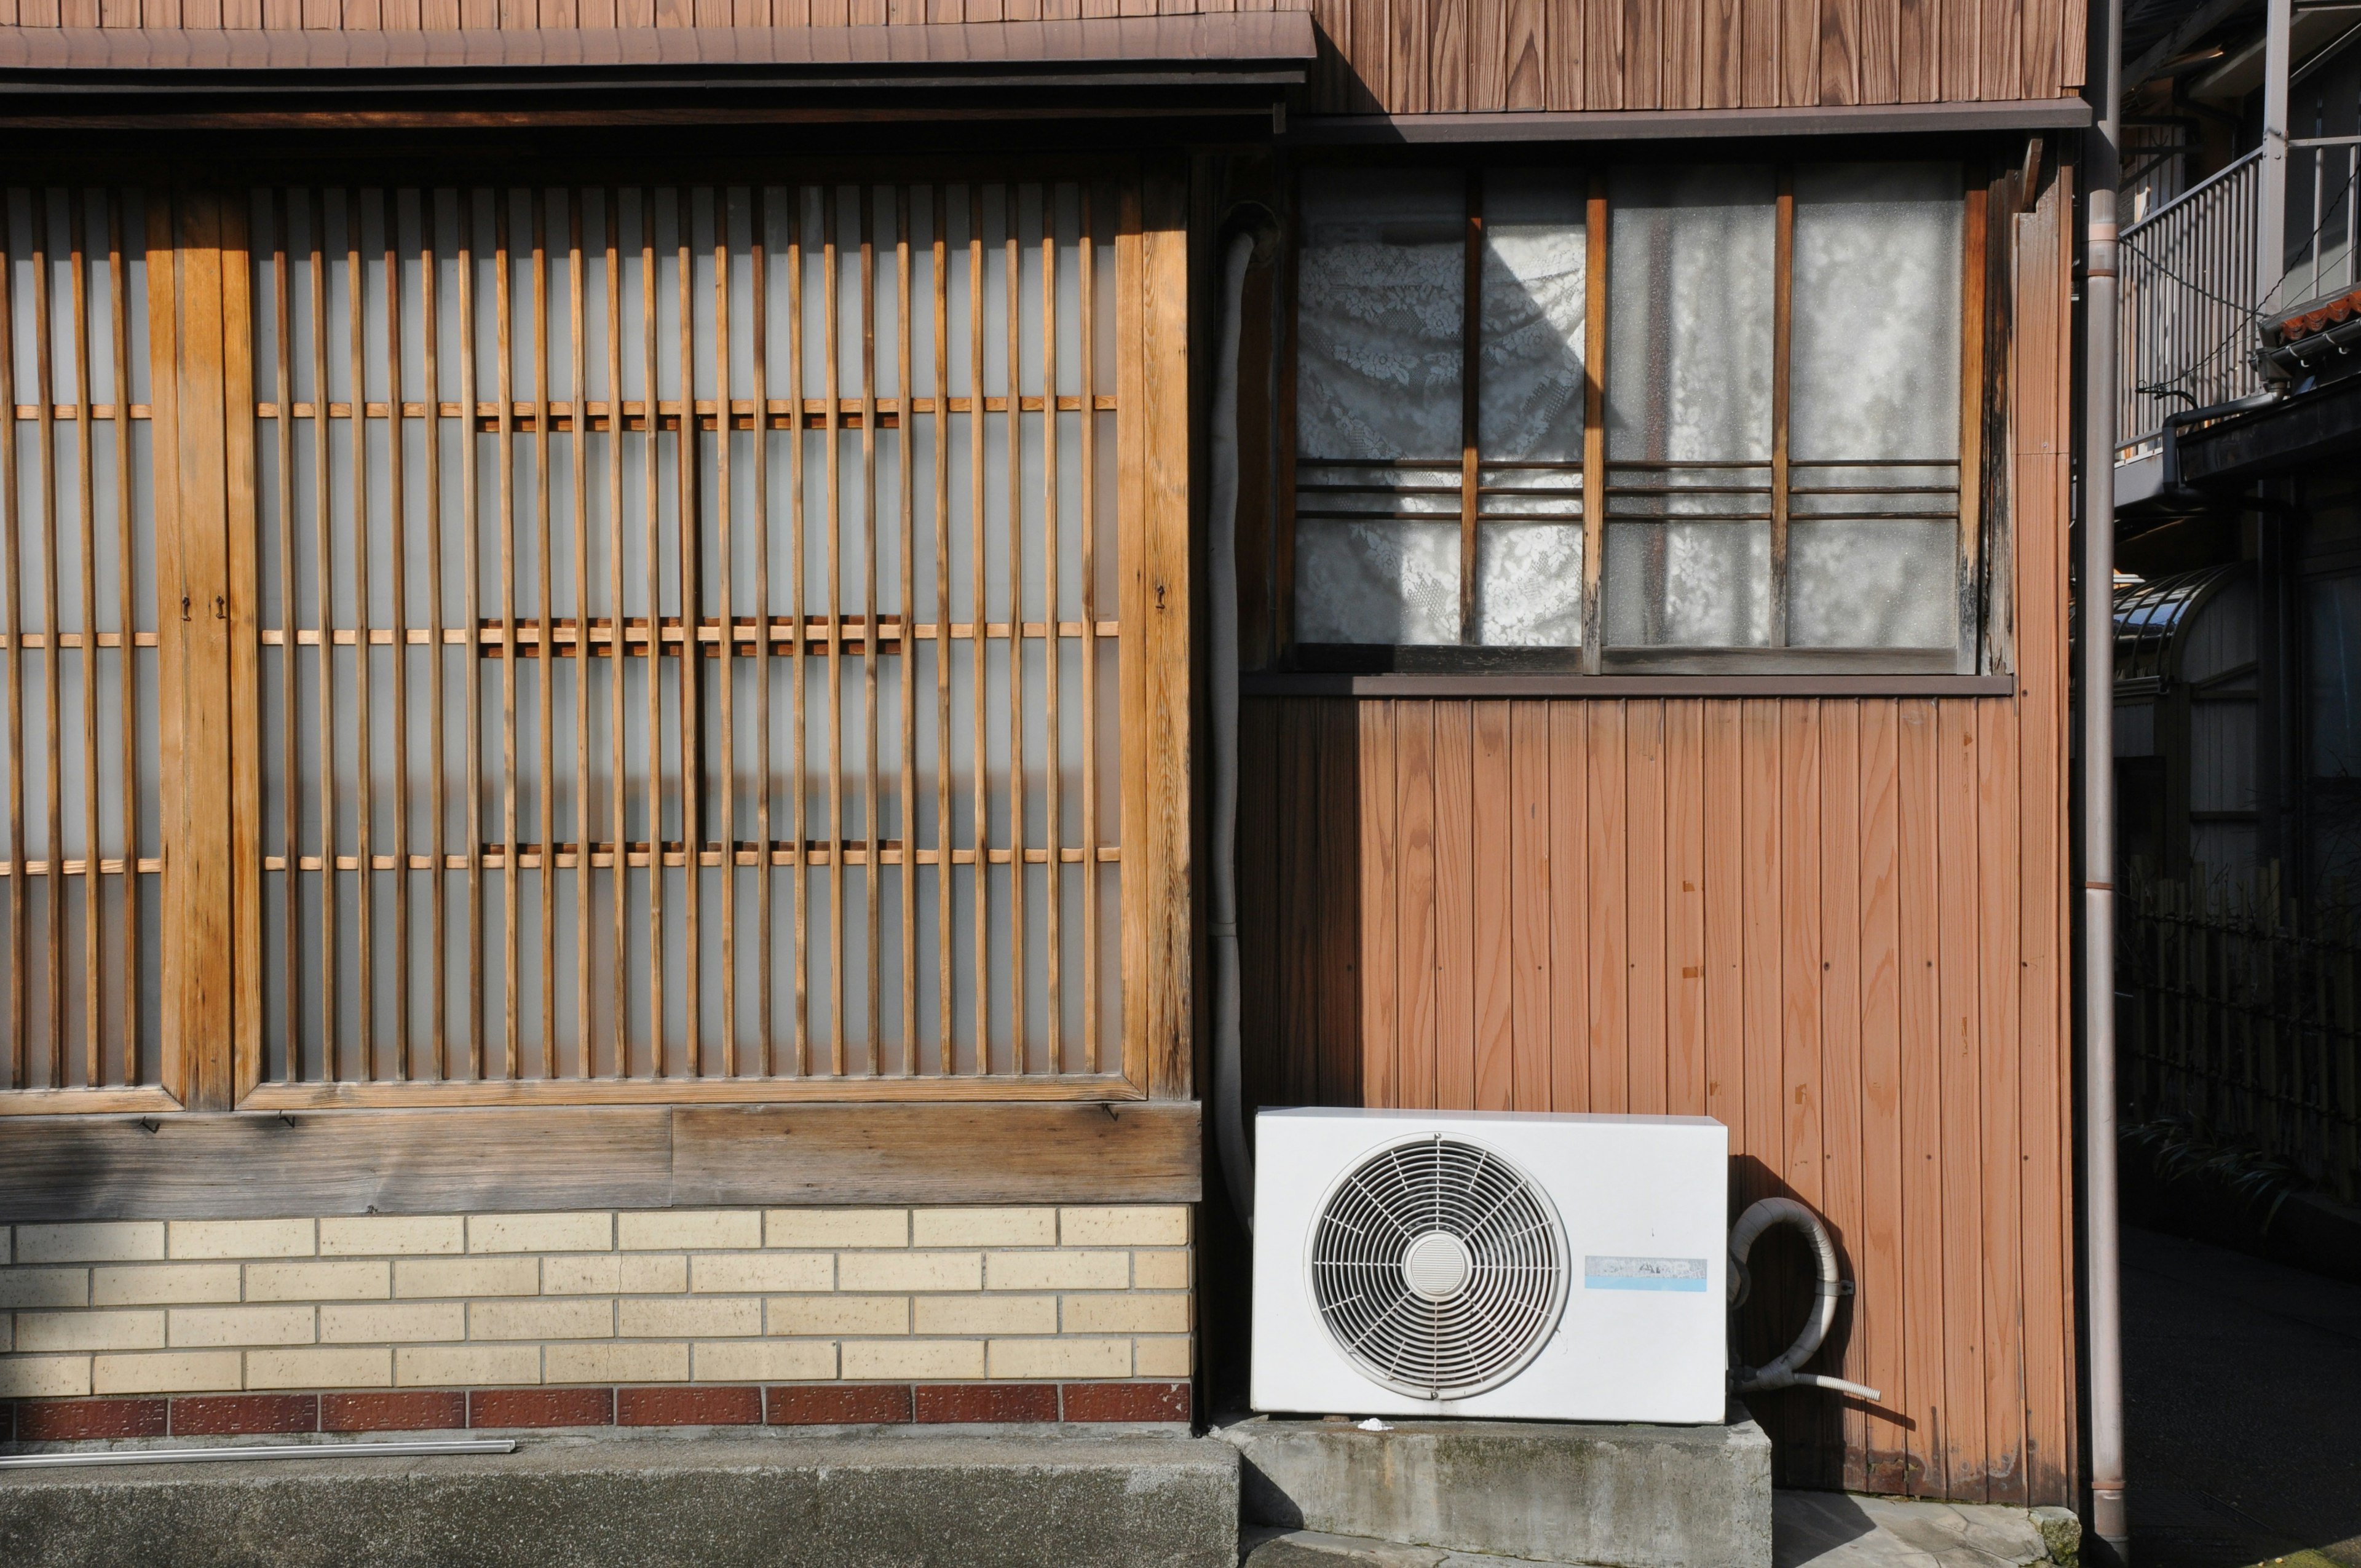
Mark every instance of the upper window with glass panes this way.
pixel 1651 417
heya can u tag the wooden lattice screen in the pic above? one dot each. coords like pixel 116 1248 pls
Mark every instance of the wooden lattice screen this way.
pixel 706 639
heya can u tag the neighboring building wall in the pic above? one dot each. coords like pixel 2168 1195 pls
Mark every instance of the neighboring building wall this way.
pixel 1838 923
pixel 839 1311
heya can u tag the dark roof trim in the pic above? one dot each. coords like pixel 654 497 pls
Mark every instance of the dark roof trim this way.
pixel 1650 124
pixel 1172 49
pixel 2318 426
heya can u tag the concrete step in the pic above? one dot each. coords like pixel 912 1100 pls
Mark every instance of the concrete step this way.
pixel 1620 1496
pixel 712 1502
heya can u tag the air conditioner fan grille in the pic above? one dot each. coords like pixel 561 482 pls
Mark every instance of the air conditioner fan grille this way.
pixel 1439 1267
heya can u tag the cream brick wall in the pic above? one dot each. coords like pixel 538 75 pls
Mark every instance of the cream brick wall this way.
pixel 706 1296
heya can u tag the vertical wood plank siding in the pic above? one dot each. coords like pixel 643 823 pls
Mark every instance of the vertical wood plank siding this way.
pixel 1401 57
pixel 1838 925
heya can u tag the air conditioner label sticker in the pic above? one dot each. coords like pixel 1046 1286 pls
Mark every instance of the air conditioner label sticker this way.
pixel 1643 1273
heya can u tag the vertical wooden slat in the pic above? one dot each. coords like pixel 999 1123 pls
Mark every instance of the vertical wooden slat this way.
pixel 1491 911
pixel 119 308
pixel 1608 1034
pixel 397 566
pixel 324 585
pixel 1088 502
pixel 1783 319
pixel 1643 54
pixel 2004 1454
pixel 45 388
pixel 1570 906
pixel 1418 936
pixel 1642 904
pixel 906 647
pixel 1380 892
pixel 1053 750
pixel 1012 249
pixel 1686 1075
pixel 1454 905
pixel 1594 422
pixel 872 872
pixel 724 430
pixel 579 449
pixel 1921 1140
pixel 438 658
pixel 654 536
pixel 1842 1140
pixel 12 661
pixel 1799 52
pixel 800 855
pixel 1723 890
pixel 1802 958
pixel 1958 1058
pixel 1531 809
pixel 504 381
pixel 233 1057
pixel 1336 735
pixel 1758 63
pixel 364 751
pixel 976 631
pixel 689 524
pixel 945 964
pixel 1839 46
pixel 759 327
pixel 471 609
pixel 1763 1080
pixel 832 311
pixel 1296 797
pixel 86 506
pixel 206 370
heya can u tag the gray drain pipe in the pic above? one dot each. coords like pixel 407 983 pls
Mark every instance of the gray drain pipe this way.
pixel 1252 230
pixel 2101 1253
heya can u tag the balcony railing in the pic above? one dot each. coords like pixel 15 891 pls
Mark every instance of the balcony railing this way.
pixel 2191 300
pixel 2189 294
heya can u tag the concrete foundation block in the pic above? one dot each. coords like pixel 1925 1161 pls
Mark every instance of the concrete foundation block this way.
pixel 1620 1496
pixel 839 1502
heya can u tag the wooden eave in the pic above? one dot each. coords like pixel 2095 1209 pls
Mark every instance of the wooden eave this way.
pixel 1230 64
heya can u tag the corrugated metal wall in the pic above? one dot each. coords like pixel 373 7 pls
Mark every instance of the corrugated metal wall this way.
pixel 1838 925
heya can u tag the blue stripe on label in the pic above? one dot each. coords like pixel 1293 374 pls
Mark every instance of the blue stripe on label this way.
pixel 1642 1273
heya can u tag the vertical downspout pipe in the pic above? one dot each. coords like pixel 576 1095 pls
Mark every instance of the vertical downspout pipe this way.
pixel 2102 1287
pixel 1222 575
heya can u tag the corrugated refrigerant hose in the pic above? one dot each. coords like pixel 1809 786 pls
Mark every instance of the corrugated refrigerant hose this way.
pixel 1782 1373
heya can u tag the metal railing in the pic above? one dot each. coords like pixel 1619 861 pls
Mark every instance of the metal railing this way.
pixel 2189 293
pixel 2322 225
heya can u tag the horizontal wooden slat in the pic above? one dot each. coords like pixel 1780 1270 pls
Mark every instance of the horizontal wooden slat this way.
pixel 82 1167
pixel 855 853
pixel 781 631
pixel 107 866
pixel 30 640
pixel 778 413
pixel 70 411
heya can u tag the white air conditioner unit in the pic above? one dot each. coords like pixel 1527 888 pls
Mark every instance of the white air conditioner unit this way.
pixel 1538 1267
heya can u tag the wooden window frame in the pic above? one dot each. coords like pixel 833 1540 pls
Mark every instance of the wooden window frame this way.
pixel 1981 651
pixel 201 305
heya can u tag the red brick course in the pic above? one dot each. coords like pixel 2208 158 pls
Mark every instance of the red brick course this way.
pixel 541 1407
pixel 838 1404
pixel 821 1404
pixel 78 1420
pixel 1125 1401
pixel 987 1401
pixel 688 1407
pixel 224 1415
pixel 424 1410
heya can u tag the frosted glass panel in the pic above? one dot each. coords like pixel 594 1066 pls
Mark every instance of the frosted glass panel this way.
pixel 1691 278
pixel 1872 584
pixel 1393 583
pixel 1379 306
pixel 1874 407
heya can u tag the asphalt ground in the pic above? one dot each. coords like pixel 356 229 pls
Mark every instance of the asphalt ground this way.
pixel 2242 1395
